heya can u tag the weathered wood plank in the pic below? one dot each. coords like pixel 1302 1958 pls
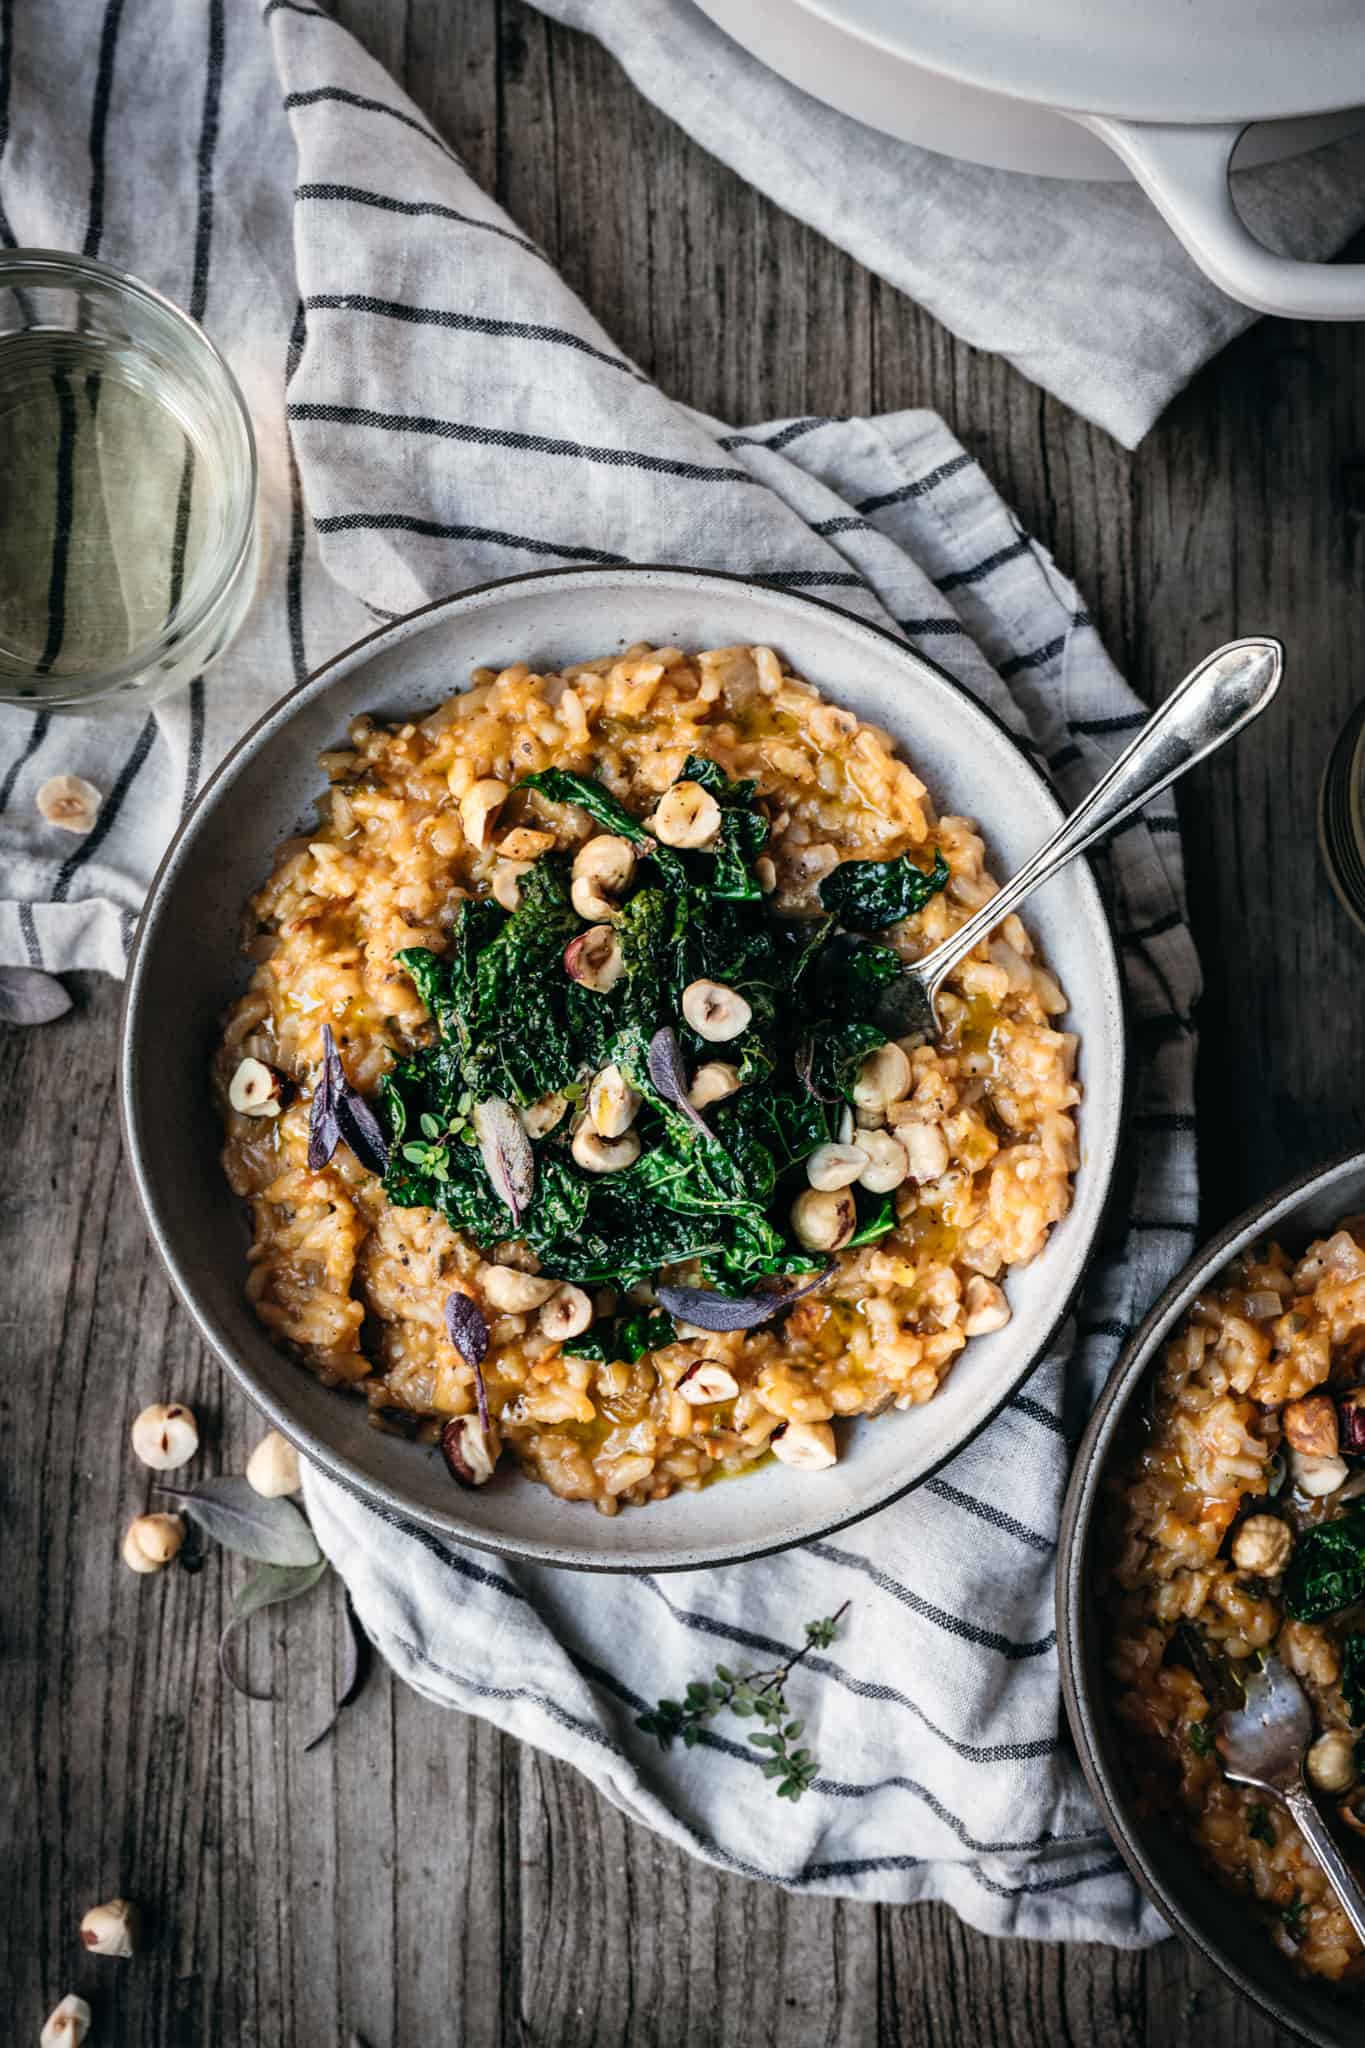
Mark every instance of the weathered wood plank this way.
pixel 419 1875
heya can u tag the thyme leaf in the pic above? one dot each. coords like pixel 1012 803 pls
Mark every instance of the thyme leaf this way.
pixel 753 1695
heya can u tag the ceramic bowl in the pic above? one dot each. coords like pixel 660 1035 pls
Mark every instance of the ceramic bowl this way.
pixel 186 967
pixel 1210 1919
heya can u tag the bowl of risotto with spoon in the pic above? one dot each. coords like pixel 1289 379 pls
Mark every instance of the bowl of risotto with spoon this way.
pixel 511 1087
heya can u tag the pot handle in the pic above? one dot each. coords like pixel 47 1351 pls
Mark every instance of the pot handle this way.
pixel 1184 172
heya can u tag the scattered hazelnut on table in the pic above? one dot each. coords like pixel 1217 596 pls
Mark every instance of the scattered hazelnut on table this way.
pixel 70 802
pixel 152 1541
pixel 67 2024
pixel 273 1467
pixel 113 1929
pixel 1263 1544
pixel 165 1436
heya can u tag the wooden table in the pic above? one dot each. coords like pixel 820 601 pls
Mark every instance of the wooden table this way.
pixel 421 1878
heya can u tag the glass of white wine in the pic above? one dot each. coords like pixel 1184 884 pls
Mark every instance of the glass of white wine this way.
pixel 128 537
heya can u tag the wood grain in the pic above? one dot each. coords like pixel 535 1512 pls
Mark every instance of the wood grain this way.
pixel 419 1877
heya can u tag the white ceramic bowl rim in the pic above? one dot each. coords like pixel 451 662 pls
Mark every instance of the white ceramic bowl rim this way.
pixel 388 1498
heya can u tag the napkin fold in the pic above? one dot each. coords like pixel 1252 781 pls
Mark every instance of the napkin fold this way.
pixel 1079 284
pixel 436 408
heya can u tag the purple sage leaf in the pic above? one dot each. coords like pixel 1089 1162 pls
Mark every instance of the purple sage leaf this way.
pixel 711 1311
pixel 669 1075
pixel 354 1671
pixel 324 1133
pixel 341 1113
pixel 802 1060
pixel 28 997
pixel 467 1327
pixel 506 1153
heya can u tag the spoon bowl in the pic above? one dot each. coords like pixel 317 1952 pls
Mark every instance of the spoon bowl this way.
pixel 1215 702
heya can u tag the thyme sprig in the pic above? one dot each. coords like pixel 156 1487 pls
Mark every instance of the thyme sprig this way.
pixel 752 1695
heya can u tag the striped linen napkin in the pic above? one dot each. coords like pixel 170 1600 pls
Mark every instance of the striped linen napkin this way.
pixel 435 408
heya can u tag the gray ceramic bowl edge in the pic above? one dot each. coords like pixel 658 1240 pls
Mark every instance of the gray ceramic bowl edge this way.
pixel 1220 1927
pixel 185 967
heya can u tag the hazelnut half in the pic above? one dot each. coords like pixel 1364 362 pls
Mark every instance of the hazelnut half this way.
pixel 165 1436
pixel 256 1089
pixel 705 1381
pixel 471 1452
pixel 70 802
pixel 686 815
pixel 566 1314
pixel 1310 1425
pixel 714 1011
pixel 113 1929
pixel 602 868
pixel 595 959
pixel 807 1446
pixel 67 2025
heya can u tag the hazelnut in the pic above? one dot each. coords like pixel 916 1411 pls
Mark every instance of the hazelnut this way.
pixel 883 1077
pixel 706 1381
pixel 824 1219
pixel 512 1292
pixel 986 1306
pixel 765 873
pixel 538 1119
pixel 479 808
pixel 1263 1544
pixel 165 1436
pixel 596 1154
pixel 152 1541
pixel 1311 1425
pixel 602 868
pixel 712 1083
pixel 887 1162
pixel 506 882
pixel 113 1929
pixel 595 959
pixel 566 1314
pixel 524 842
pixel 686 815
pixel 70 802
pixel 255 1089
pixel 272 1470
pixel 835 1166
pixel 1331 1762
pixel 471 1452
pixel 1317 1477
pixel 613 1104
pixel 714 1011
pixel 807 1446
pixel 67 2024
pixel 926 1150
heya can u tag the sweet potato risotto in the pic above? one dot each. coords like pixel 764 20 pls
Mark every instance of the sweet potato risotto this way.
pixel 1235 1521
pixel 558 1099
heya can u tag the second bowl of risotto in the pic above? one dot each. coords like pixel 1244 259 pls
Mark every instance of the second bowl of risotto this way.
pixel 505 1084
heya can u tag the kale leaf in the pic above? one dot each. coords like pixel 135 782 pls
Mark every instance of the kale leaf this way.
pixel 1327 1571
pixel 1353 1677
pixel 563 787
pixel 628 1337
pixel 867 895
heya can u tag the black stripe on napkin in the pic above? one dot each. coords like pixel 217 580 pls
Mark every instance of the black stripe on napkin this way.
pixel 506 437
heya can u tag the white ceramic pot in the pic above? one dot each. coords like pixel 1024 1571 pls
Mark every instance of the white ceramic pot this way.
pixel 1163 93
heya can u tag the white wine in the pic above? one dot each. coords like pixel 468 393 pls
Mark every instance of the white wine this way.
pixel 127 488
pixel 102 517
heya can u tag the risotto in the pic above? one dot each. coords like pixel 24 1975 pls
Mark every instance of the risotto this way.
pixel 1235 1521
pixel 558 1102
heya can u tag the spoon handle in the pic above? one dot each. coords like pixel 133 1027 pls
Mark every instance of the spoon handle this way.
pixel 1216 700
pixel 1316 1833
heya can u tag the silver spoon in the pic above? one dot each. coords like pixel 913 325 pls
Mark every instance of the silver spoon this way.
pixel 1262 1743
pixel 1216 700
